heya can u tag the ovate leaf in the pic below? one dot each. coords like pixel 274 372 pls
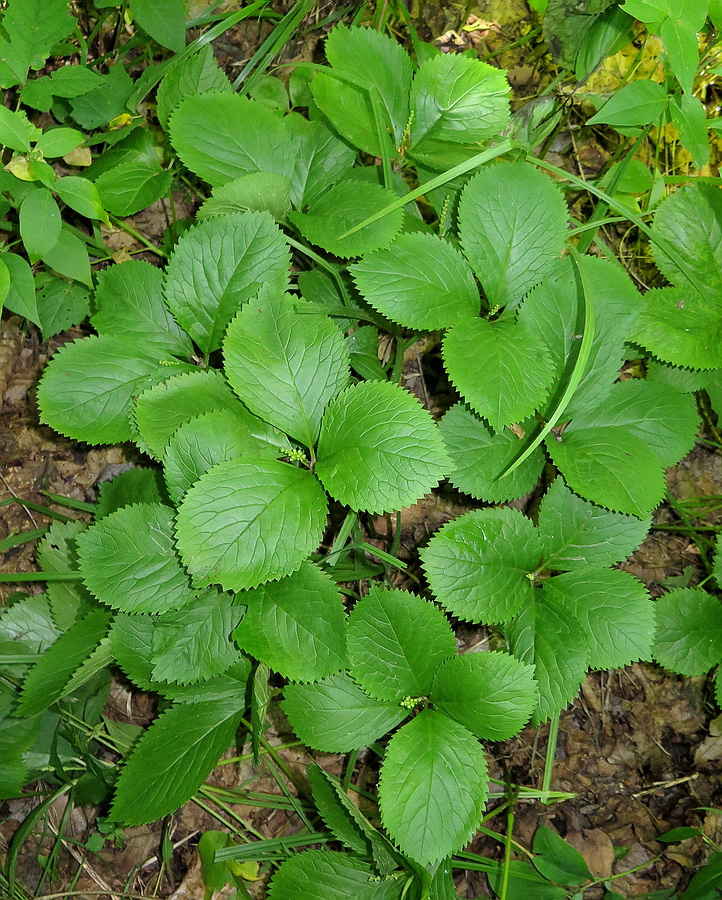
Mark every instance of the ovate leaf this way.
pixel 690 119
pixel 259 192
pixel 396 641
pixel 512 222
pixel 336 716
pixel 194 644
pixel 218 266
pixel 27 627
pixel 39 223
pixel 33 28
pixel 433 787
pixel 60 303
pixel 517 371
pixel 688 638
pixel 221 136
pixel 248 521
pixel 576 534
pixel 129 301
pixel 20 294
pixel 363 451
pixel 135 485
pixel 479 457
pixel 172 759
pixel 163 20
pixel 213 438
pixel 133 185
pixel 340 820
pixel 187 76
pixel 640 102
pixel 341 208
pixel 285 366
pixel 420 281
pixel 128 560
pixel 681 327
pixel 491 694
pixel 322 159
pixel 613 608
pixel 69 257
pixel 45 682
pixel 57 552
pixel 334 876
pixel 557 860
pixel 88 387
pixel 296 626
pixel 160 410
pixel 478 565
pixel 547 637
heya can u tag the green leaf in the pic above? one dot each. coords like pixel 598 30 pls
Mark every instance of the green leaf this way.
pixel 396 641
pixel 637 103
pixel 128 560
pixel 691 221
pixel 26 627
pixel 520 882
pixel 33 28
pixel 105 102
pixel 259 192
pixel 576 534
pixel 57 552
pixel 60 304
pixel 285 366
pixel 688 639
pixel 187 76
pixel 215 875
pixel 547 637
pixel 213 438
pixel 45 682
pixel 335 715
pixel 517 371
pixel 512 224
pixel 248 521
pixel 87 388
pixel 163 20
pixel 69 257
pixel 322 159
pixel 557 860
pixel 690 120
pixel 459 99
pixel 680 42
pixel 336 816
pixel 567 24
pixel 421 281
pixel 59 142
pixel 610 466
pixel 217 266
pixel 4 281
pixel 433 787
pixel 39 223
pixel 378 69
pixel 129 301
pixel 68 82
pixel 613 608
pixel 160 410
pixel 478 565
pixel 682 328
pixel 491 694
pixel 131 486
pixel 296 626
pixel 172 759
pixel 363 457
pixel 341 208
pixel 363 348
pixel 480 457
pixel 82 196
pixel 194 644
pixel 131 643
pixel 133 185
pixel 333 876
pixel 221 136
pixel 20 297
pixel 16 132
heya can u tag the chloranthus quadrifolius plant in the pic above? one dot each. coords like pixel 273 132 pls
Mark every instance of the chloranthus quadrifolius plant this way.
pixel 241 385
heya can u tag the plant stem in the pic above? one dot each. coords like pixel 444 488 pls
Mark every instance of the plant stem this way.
pixel 549 759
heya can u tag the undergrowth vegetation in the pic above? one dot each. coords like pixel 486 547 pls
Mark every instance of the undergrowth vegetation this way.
pixel 347 211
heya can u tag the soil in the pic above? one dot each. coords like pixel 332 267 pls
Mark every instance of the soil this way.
pixel 639 749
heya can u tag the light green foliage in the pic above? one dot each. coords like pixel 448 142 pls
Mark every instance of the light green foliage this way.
pixel 163 20
pixel 285 366
pixel 557 860
pixel 27 627
pixel 185 77
pixel 363 450
pixel 57 552
pixel 296 626
pixel 637 103
pixel 688 639
pixel 32 28
pixel 337 875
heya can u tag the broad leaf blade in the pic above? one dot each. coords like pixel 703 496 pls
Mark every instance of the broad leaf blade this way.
pixel 433 787
pixel 512 222
pixel 284 365
pixel 396 641
pixel 322 159
pixel 420 281
pixel 363 451
pixel 478 565
pixel 218 266
pixel 557 860
pixel 491 694
pixel 57 552
pixel 335 715
pixel 333 876
pixel 296 626
pixel 688 639
pixel 187 76
pixel 248 521
pixel 172 759
pixel 128 560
